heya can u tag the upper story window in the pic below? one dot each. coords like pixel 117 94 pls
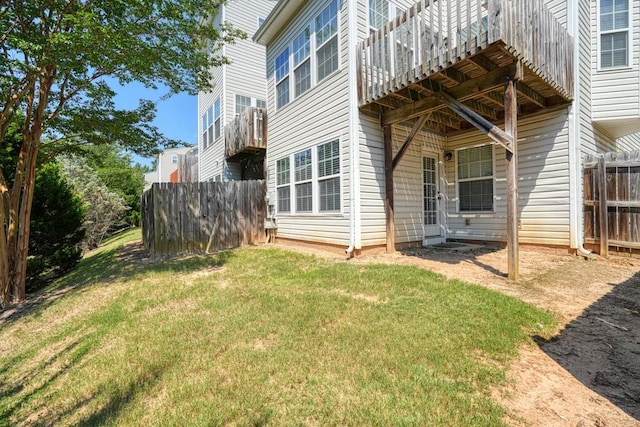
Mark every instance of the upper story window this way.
pixel 282 79
pixel 242 103
pixel 211 124
pixel 475 178
pixel 615 33
pixel 327 40
pixel 312 56
pixel 174 159
pixel 302 62
pixel 379 13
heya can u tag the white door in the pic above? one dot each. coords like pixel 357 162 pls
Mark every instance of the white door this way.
pixel 431 212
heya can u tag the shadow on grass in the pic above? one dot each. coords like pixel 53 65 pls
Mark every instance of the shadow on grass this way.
pixel 106 267
pixel 601 348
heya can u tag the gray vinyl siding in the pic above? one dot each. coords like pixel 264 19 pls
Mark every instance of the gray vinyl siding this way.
pixel 318 116
pixel 245 76
pixel 616 93
pixel 543 185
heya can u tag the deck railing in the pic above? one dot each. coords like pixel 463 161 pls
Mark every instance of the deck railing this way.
pixel 434 34
pixel 247 132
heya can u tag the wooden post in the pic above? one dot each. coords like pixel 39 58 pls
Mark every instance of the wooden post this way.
pixel 511 127
pixel 602 207
pixel 388 193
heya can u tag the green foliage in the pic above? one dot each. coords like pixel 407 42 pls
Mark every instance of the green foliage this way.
pixel 115 170
pixel 105 209
pixel 56 228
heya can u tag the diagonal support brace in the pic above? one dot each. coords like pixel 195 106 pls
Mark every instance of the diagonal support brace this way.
pixel 484 125
pixel 414 131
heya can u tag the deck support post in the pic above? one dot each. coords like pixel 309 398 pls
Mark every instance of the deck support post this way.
pixel 388 187
pixel 511 128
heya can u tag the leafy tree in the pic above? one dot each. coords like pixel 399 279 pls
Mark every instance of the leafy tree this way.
pixel 53 57
pixel 116 171
pixel 105 209
pixel 55 244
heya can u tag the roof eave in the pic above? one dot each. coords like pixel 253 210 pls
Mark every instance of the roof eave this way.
pixel 280 15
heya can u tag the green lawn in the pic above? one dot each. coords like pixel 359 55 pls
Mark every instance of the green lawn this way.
pixel 260 336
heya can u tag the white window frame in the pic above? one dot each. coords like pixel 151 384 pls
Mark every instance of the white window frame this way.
pixel 174 158
pixel 481 178
pixel 208 136
pixel 285 55
pixel 300 180
pixel 314 48
pixel 334 175
pixel 252 103
pixel 284 183
pixel 629 32
pixel 315 180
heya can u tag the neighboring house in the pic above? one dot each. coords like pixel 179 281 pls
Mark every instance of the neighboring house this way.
pixel 237 104
pixel 167 164
pixel 348 77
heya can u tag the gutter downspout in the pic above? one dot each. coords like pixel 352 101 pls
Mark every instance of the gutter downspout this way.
pixel 575 212
pixel 355 223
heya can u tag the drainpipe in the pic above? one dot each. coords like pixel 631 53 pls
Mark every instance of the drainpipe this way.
pixel 575 211
pixel 355 223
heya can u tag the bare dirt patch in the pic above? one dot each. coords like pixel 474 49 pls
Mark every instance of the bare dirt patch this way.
pixel 589 374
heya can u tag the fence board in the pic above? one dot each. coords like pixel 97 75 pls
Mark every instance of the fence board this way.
pixel 203 217
pixel 611 188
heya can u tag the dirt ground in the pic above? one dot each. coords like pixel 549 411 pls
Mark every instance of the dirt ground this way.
pixel 589 374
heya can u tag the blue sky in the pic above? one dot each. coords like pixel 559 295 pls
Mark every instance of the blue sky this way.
pixel 176 117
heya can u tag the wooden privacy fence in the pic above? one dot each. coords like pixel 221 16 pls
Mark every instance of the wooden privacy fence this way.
pixel 203 217
pixel 612 200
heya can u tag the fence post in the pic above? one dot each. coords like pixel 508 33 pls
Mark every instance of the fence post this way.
pixel 602 207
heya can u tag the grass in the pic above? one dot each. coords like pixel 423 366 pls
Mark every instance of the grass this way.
pixel 260 336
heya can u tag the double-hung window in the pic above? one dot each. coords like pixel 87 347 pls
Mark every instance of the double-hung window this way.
pixel 302 62
pixel 282 79
pixel 211 124
pixel 329 176
pixel 615 32
pixel 475 178
pixel 309 181
pixel 242 103
pixel 216 120
pixel 327 40
pixel 310 57
pixel 303 181
pixel 378 13
pixel 283 180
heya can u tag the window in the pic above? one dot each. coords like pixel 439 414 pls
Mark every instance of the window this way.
pixel 475 178
pixel 242 103
pixel 283 179
pixel 211 124
pixel 216 119
pixel 174 159
pixel 311 56
pixel 327 40
pixel 329 176
pixel 260 21
pixel 313 183
pixel 261 103
pixel 614 33
pixel 378 13
pixel 302 62
pixel 282 79
pixel 304 185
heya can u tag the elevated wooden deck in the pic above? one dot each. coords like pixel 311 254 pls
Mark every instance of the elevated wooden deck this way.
pixel 468 50
pixel 246 135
